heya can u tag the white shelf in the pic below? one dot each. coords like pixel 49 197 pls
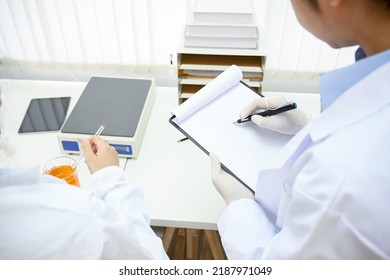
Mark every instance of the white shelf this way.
pixel 198 66
pixel 204 82
pixel 206 67
pixel 260 51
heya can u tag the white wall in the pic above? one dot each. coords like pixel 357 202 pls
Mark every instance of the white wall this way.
pixel 71 40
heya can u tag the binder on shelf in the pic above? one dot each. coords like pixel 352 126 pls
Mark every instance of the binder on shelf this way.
pixel 204 81
pixel 221 62
pixel 211 74
pixel 207 117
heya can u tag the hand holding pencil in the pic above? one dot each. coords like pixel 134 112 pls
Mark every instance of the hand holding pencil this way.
pixel 286 120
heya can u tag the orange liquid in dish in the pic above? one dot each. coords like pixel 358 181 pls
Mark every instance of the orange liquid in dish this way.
pixel 67 173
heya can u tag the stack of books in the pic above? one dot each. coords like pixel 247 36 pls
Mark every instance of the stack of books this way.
pixel 221 24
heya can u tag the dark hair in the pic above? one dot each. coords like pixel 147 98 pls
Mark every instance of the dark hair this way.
pixel 383 4
pixel 386 3
pixel 380 4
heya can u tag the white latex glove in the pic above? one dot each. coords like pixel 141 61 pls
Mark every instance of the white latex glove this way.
pixel 287 123
pixel 228 186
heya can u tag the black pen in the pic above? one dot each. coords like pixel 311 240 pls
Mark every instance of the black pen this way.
pixel 182 139
pixel 287 107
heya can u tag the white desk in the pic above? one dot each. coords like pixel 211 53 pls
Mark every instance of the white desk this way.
pixel 38 147
pixel 175 176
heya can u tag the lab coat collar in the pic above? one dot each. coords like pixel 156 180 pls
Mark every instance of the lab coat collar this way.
pixel 361 100
pixel 364 98
pixel 354 104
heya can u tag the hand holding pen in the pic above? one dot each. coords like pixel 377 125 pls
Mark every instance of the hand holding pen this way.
pixel 276 114
pixel 270 112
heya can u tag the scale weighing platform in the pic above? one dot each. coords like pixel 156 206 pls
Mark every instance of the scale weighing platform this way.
pixel 123 105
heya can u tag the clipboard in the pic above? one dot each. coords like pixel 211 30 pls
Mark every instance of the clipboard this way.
pixel 171 120
pixel 207 120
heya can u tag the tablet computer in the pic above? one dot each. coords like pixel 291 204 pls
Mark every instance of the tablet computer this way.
pixel 45 114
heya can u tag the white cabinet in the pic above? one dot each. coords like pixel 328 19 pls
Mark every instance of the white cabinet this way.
pixel 198 66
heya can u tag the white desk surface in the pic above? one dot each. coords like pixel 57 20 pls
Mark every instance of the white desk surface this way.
pixel 174 176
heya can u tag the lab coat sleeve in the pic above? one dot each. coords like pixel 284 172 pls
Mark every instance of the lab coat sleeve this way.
pixel 339 197
pixel 245 230
pixel 127 233
pixel 337 215
pixel 312 232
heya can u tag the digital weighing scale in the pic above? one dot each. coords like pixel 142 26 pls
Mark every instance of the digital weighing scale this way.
pixel 123 105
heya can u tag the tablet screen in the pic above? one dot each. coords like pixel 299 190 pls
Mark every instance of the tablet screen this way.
pixel 45 114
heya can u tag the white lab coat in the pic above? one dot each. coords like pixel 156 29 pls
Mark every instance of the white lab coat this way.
pixel 327 194
pixel 44 218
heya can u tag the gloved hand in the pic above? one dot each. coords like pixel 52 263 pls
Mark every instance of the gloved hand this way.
pixel 98 154
pixel 228 186
pixel 287 123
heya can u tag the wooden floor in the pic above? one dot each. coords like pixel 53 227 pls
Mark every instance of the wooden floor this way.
pixel 191 244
